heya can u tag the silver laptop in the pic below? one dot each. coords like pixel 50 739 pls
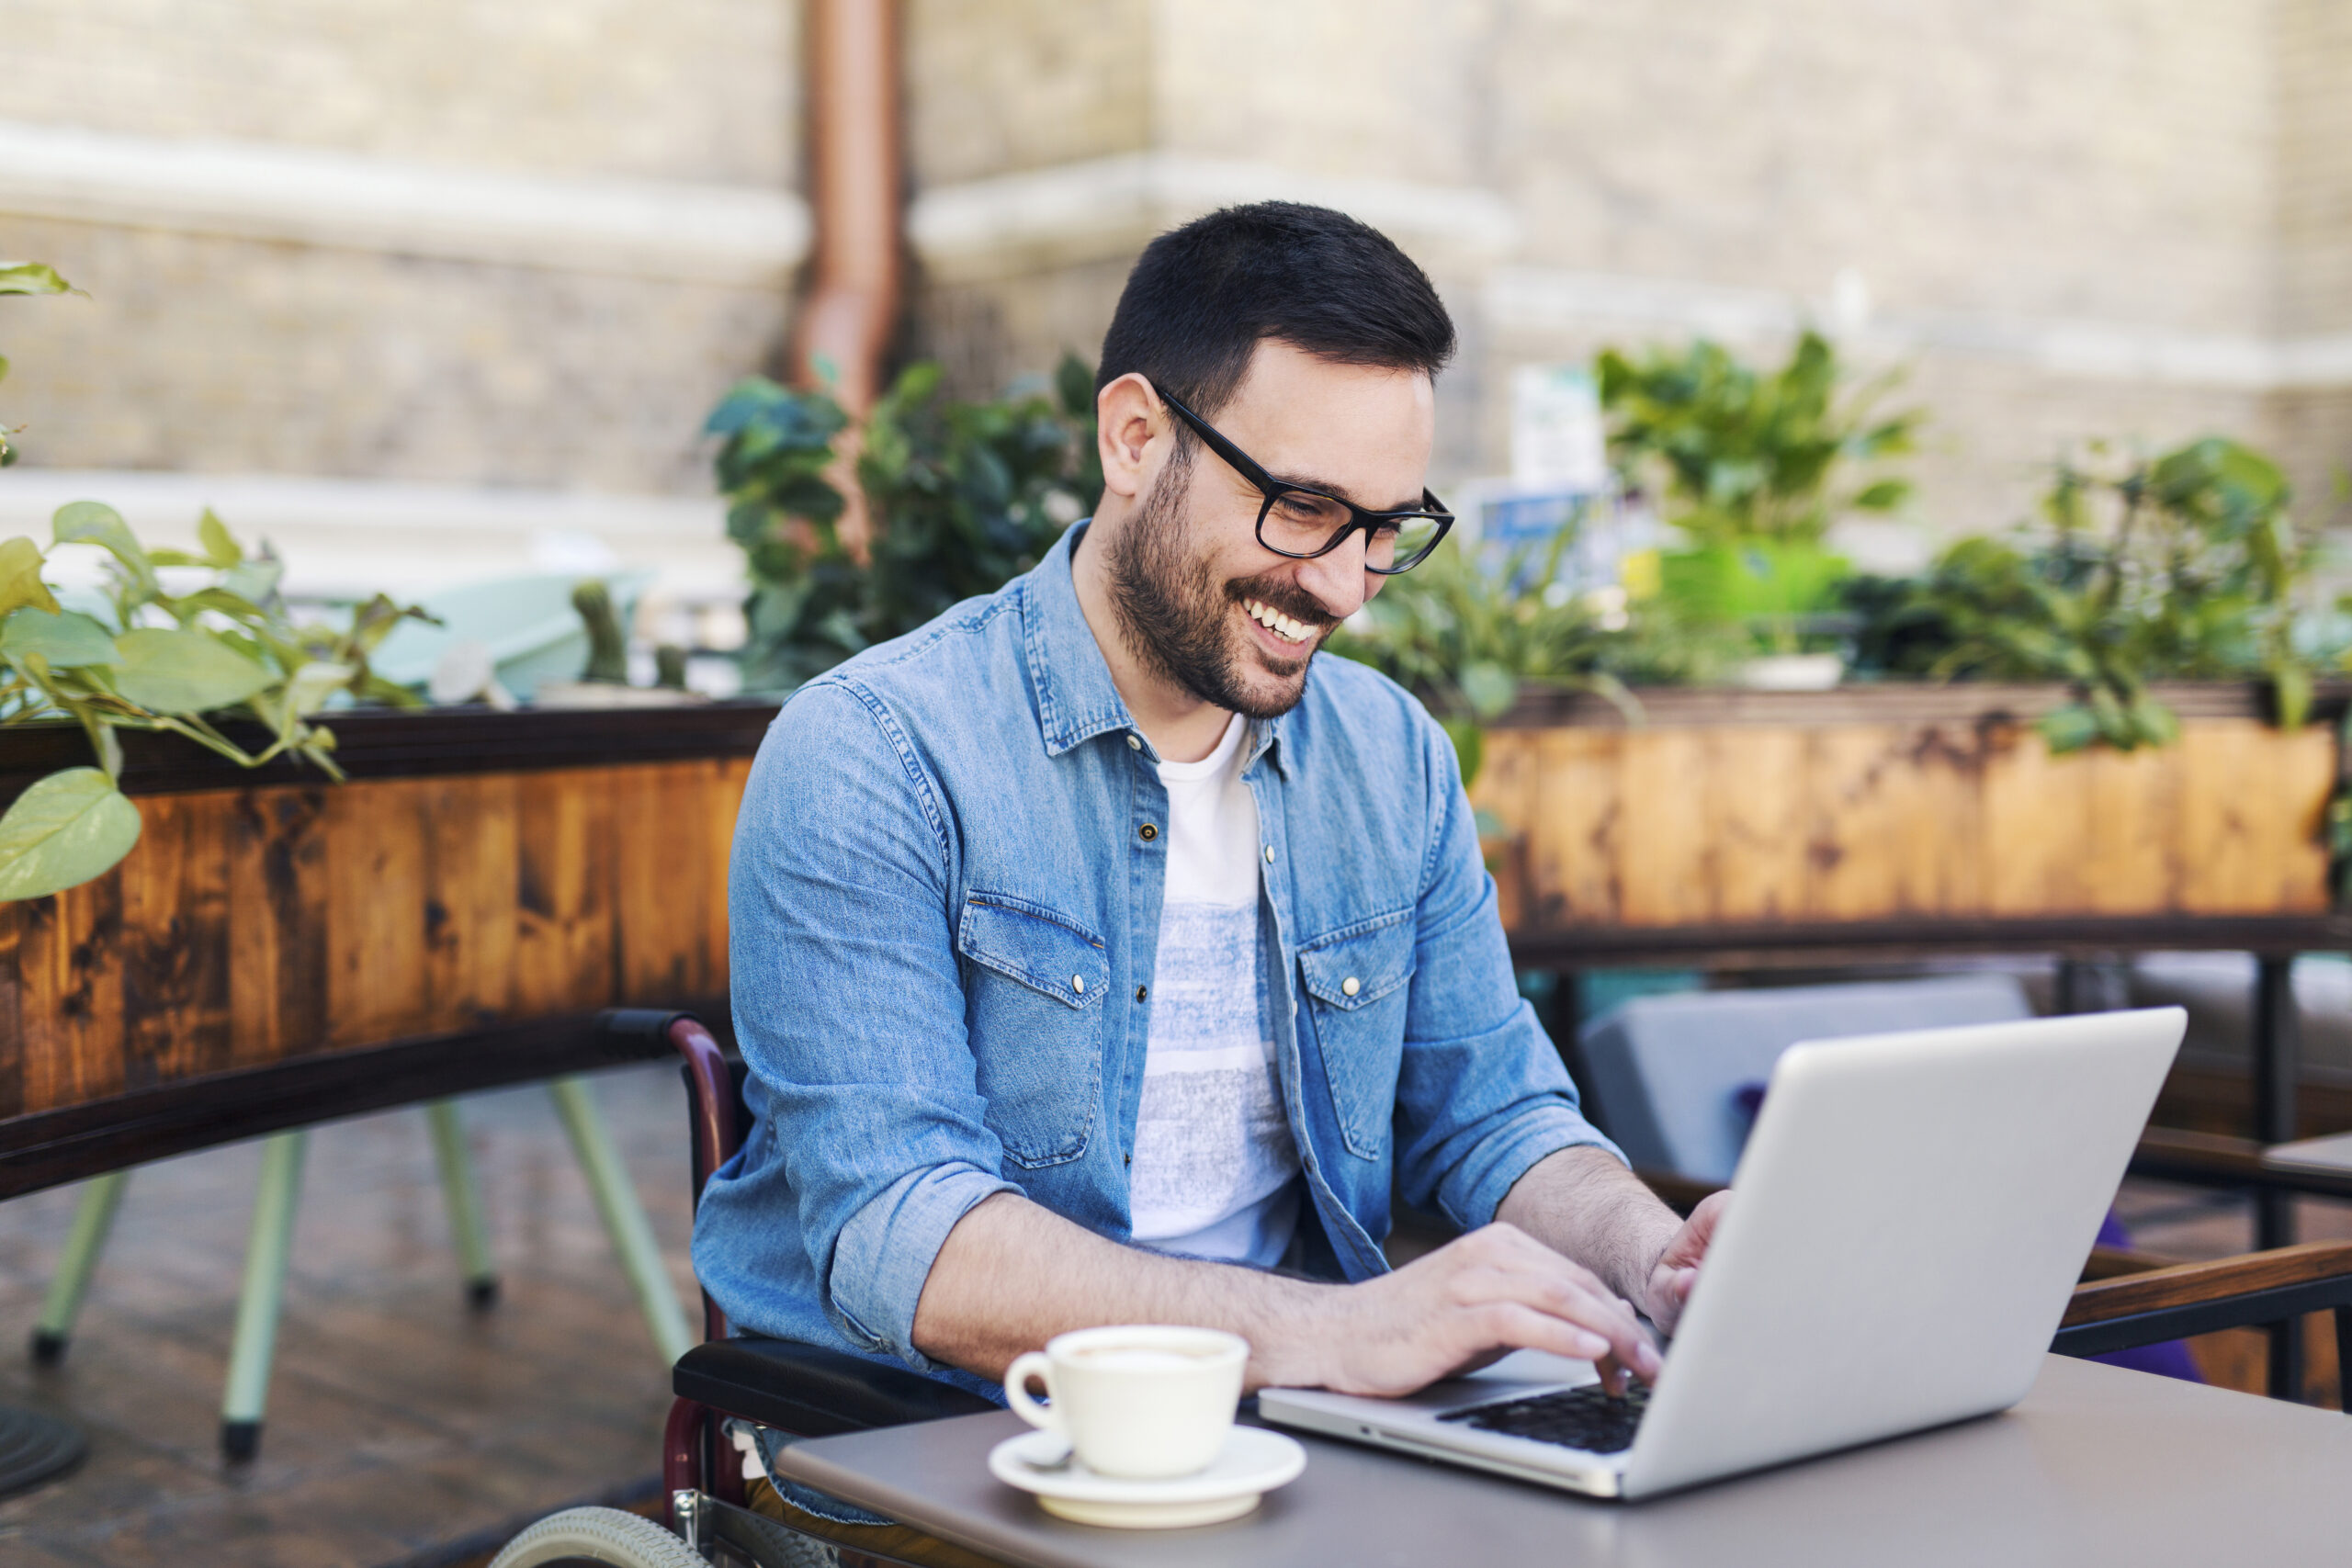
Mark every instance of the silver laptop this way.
pixel 1912 1212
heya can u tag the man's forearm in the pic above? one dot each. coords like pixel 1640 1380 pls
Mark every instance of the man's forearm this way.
pixel 1584 1204
pixel 1011 1275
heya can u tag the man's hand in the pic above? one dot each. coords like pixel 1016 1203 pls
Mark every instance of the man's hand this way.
pixel 1472 1300
pixel 1677 1268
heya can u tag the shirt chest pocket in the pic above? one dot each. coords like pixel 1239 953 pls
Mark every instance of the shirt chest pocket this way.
pixel 1035 988
pixel 1355 980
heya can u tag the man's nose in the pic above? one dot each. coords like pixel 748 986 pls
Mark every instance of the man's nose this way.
pixel 1336 579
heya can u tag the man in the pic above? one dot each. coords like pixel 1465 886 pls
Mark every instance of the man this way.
pixel 1098 948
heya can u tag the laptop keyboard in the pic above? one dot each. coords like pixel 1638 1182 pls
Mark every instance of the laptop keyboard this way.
pixel 1585 1418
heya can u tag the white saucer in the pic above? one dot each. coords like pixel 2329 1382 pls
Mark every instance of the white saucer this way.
pixel 1254 1463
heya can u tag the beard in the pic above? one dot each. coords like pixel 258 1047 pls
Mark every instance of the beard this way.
pixel 1176 615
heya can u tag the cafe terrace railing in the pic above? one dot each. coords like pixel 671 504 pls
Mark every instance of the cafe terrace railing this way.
pixel 278 949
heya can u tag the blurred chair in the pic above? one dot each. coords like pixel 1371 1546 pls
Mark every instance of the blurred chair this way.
pixel 528 625
pixel 1676 1081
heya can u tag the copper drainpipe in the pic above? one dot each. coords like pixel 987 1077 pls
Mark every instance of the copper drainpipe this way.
pixel 852 49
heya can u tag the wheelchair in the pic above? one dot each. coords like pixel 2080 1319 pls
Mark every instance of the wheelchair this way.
pixel 800 1390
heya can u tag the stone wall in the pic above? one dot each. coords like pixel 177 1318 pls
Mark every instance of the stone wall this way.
pixel 210 341
pixel 689 89
pixel 208 354
pixel 2312 423
pixel 2063 218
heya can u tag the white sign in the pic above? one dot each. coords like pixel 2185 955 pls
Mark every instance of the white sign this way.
pixel 1556 432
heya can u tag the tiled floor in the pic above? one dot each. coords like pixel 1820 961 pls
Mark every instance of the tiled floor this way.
pixel 397 1419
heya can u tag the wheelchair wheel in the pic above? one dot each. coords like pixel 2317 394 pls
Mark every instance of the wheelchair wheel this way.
pixel 596 1538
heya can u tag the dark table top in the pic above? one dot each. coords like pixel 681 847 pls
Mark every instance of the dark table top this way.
pixel 2097 1465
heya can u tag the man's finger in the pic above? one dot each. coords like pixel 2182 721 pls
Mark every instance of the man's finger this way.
pixel 1597 1313
pixel 1523 1327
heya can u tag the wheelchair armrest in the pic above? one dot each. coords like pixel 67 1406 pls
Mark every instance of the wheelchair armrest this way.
pixel 809 1392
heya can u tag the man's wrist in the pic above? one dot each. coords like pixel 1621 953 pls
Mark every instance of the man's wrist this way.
pixel 1297 1325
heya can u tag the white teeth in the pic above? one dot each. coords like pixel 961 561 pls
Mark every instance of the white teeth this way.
pixel 1282 625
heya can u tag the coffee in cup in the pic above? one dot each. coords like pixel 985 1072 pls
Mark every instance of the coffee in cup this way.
pixel 1142 1402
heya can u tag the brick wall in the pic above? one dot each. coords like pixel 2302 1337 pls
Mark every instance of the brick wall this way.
pixel 687 89
pixel 2073 218
pixel 209 352
pixel 2171 179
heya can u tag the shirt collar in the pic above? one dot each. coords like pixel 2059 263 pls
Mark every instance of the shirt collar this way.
pixel 1076 697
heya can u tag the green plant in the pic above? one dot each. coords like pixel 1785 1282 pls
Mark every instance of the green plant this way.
pixel 23 278
pixel 1465 636
pixel 1736 455
pixel 178 641
pixel 1773 592
pixel 2184 566
pixel 961 498
pixel 1752 467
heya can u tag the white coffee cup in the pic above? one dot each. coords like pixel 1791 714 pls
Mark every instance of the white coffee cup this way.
pixel 1139 1401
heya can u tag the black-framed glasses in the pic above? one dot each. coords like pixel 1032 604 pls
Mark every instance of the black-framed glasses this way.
pixel 1302 522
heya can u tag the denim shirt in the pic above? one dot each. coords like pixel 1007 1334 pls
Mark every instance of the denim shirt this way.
pixel 944 904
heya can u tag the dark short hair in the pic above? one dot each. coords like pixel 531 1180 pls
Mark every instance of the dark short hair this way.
pixel 1201 297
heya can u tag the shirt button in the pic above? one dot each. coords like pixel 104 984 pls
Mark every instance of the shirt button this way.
pixel 1351 985
pixel 1133 744
pixel 1078 983
pixel 1142 991
pixel 1149 832
pixel 1270 854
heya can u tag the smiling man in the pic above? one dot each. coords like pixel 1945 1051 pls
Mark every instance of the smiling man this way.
pixel 1102 955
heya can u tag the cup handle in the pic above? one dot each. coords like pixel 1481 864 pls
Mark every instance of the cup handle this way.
pixel 1029 1364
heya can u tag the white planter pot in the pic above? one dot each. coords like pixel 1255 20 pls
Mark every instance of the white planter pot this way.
pixel 1793 672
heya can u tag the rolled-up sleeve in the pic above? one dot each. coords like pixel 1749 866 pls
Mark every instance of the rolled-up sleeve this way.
pixel 1482 1094
pixel 850 1012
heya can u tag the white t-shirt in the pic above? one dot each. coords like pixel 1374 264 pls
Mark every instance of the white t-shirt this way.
pixel 1215 1168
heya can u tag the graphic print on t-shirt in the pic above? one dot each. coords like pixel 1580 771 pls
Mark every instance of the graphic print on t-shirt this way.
pixel 1214 1164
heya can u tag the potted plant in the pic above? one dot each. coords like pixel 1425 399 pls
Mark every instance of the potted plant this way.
pixel 1752 469
pixel 962 497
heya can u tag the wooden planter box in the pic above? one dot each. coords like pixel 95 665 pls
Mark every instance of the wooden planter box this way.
pixel 278 948
pixel 1901 817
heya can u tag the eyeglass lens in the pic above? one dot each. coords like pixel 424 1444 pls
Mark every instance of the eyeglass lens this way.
pixel 1298 523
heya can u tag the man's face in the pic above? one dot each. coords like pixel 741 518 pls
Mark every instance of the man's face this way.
pixel 1198 597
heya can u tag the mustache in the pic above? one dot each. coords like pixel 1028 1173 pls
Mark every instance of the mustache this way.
pixel 1286 597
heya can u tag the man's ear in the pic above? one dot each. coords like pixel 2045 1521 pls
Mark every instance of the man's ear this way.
pixel 1128 419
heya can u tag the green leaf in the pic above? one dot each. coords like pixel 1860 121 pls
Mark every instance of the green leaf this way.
pixel 66 829
pixel 2069 729
pixel 1074 384
pixel 184 671
pixel 1469 746
pixel 1490 688
pixel 2292 683
pixel 221 547
pixel 312 684
pixel 32 278
pixel 96 523
pixel 253 580
pixel 67 639
pixel 20 583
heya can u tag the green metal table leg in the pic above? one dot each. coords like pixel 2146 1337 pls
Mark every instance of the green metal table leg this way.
pixel 93 1218
pixel 266 1254
pixel 466 1223
pixel 624 1220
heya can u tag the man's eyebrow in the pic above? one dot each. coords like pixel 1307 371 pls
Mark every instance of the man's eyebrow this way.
pixel 1330 488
